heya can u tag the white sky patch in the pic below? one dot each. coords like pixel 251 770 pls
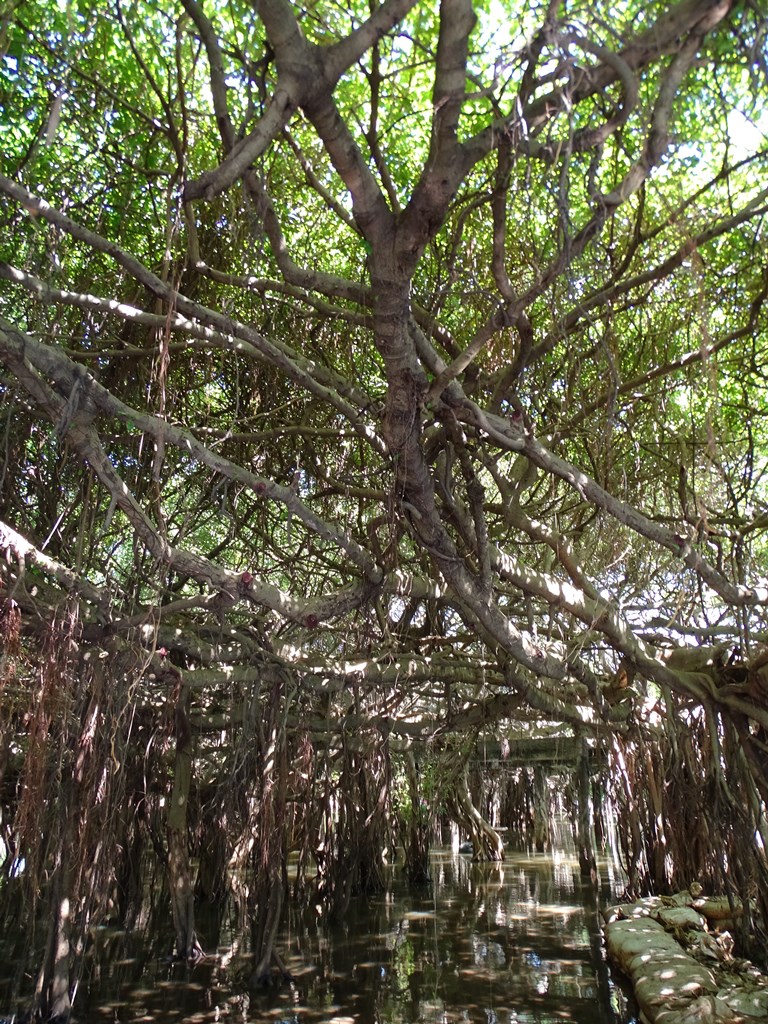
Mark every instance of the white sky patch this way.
pixel 747 136
pixel 501 31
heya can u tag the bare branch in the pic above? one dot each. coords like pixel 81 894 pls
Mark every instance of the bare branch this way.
pixel 16 345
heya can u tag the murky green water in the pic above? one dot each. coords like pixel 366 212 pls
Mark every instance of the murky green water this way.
pixel 516 943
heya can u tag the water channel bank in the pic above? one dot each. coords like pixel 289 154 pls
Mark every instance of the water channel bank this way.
pixel 678 952
pixel 511 943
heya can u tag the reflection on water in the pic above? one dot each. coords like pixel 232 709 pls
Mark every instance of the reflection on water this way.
pixel 515 943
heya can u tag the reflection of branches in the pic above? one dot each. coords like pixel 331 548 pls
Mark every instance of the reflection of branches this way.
pixel 361 524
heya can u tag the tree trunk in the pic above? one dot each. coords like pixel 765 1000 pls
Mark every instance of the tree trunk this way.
pixel 53 989
pixel 271 822
pixel 587 863
pixel 264 927
pixel 486 840
pixel 179 872
pixel 540 810
pixel 60 1003
pixel 418 825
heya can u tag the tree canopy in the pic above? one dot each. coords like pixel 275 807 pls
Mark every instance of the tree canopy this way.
pixel 414 354
pixel 424 339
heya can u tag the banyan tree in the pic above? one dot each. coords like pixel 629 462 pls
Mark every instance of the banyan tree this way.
pixel 381 383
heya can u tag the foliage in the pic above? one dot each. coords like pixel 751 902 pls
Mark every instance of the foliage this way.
pixel 409 361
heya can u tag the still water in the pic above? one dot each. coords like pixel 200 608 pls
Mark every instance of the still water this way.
pixel 511 943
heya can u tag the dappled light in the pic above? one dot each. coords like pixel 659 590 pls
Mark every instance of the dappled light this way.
pixel 383 471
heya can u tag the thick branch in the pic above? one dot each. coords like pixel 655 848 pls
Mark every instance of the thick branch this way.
pixel 229 586
pixel 591 491
pixel 68 375
pixel 317 379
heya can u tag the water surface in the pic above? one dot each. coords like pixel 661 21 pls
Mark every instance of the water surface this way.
pixel 512 943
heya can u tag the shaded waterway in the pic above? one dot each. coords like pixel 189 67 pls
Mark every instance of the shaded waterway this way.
pixel 513 943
